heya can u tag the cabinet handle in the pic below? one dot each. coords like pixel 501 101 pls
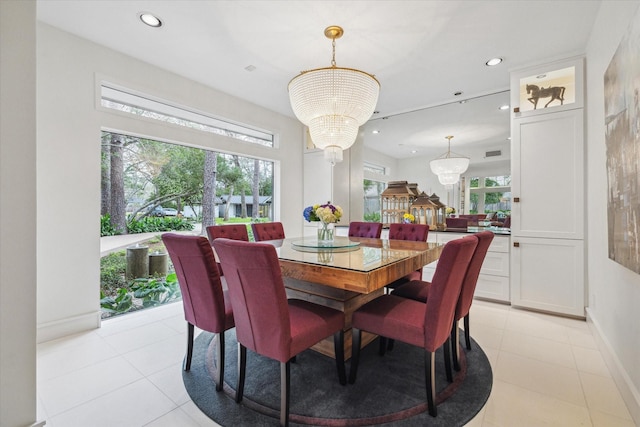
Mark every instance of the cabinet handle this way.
pixel 516 109
pixel 516 200
pixel 516 244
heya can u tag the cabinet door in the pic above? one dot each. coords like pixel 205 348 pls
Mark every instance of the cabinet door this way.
pixel 548 274
pixel 495 288
pixel 547 175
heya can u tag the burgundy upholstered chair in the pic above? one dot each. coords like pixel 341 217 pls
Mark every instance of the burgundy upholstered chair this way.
pixel 507 222
pixel 457 222
pixel 423 325
pixel 233 231
pixel 205 302
pixel 266 321
pixel 414 232
pixel 267 231
pixel 365 229
pixel 419 291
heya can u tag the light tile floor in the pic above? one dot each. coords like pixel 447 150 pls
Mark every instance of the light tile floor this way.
pixel 547 371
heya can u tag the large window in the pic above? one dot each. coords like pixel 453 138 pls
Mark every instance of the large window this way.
pixel 490 194
pixel 372 200
pixel 150 186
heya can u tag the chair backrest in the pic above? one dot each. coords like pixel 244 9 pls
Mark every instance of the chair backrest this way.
pixel 457 222
pixel 257 295
pixel 267 231
pixel 445 290
pixel 233 232
pixel 507 222
pixel 195 266
pixel 365 229
pixel 415 232
pixel 471 278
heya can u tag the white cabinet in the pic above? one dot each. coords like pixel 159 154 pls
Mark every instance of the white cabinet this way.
pixel 493 282
pixel 547 159
pixel 548 197
pixel 548 274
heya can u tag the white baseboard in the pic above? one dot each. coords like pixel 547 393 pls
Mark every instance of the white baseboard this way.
pixel 629 392
pixel 68 326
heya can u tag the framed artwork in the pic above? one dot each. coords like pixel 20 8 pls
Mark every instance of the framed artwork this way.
pixel 622 137
pixel 549 88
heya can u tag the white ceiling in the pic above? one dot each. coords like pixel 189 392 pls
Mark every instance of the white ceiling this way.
pixel 420 51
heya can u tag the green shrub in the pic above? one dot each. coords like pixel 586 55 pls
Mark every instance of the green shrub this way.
pixel 150 224
pixel 122 303
pixel 156 291
pixel 112 270
pixel 106 228
pixel 372 217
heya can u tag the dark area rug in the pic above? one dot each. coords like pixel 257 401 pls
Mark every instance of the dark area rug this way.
pixel 389 390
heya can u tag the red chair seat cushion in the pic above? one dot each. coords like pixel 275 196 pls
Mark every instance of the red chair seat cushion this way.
pixel 416 290
pixel 311 323
pixel 393 317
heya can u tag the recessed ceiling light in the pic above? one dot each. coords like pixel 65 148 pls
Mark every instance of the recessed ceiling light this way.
pixel 503 107
pixel 250 68
pixel 375 131
pixel 150 19
pixel 493 61
pixel 414 151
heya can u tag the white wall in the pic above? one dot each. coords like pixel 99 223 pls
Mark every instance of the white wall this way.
pixel 17 213
pixel 614 291
pixel 68 149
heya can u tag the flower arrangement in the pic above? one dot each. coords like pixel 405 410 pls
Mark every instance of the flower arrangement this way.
pixel 408 218
pixel 326 213
pixel 450 210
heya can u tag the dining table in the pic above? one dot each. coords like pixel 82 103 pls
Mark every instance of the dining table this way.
pixel 347 272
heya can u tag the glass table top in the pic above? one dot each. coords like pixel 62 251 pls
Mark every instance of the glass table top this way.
pixel 312 244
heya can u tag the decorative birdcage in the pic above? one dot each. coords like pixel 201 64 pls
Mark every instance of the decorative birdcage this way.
pixel 441 211
pixel 396 201
pixel 425 211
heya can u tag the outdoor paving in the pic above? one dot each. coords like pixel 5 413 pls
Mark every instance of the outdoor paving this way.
pixel 109 244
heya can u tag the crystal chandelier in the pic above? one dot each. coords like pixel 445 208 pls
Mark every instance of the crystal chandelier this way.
pixel 448 167
pixel 333 102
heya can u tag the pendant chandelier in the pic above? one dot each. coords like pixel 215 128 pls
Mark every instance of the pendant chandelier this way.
pixel 448 167
pixel 333 102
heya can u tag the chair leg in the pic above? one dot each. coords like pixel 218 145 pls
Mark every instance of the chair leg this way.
pixel 242 369
pixel 383 346
pixel 187 360
pixel 355 354
pixel 455 344
pixel 430 380
pixel 220 361
pixel 447 359
pixel 338 349
pixel 285 383
pixel 467 335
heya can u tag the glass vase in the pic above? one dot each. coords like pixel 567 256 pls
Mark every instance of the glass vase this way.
pixel 325 232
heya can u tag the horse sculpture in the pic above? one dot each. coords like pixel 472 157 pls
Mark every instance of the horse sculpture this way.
pixel 555 92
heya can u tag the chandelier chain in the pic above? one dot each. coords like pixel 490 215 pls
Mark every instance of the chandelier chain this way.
pixel 333 57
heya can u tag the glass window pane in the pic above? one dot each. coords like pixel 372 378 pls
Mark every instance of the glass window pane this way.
pixel 372 200
pixel 498 202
